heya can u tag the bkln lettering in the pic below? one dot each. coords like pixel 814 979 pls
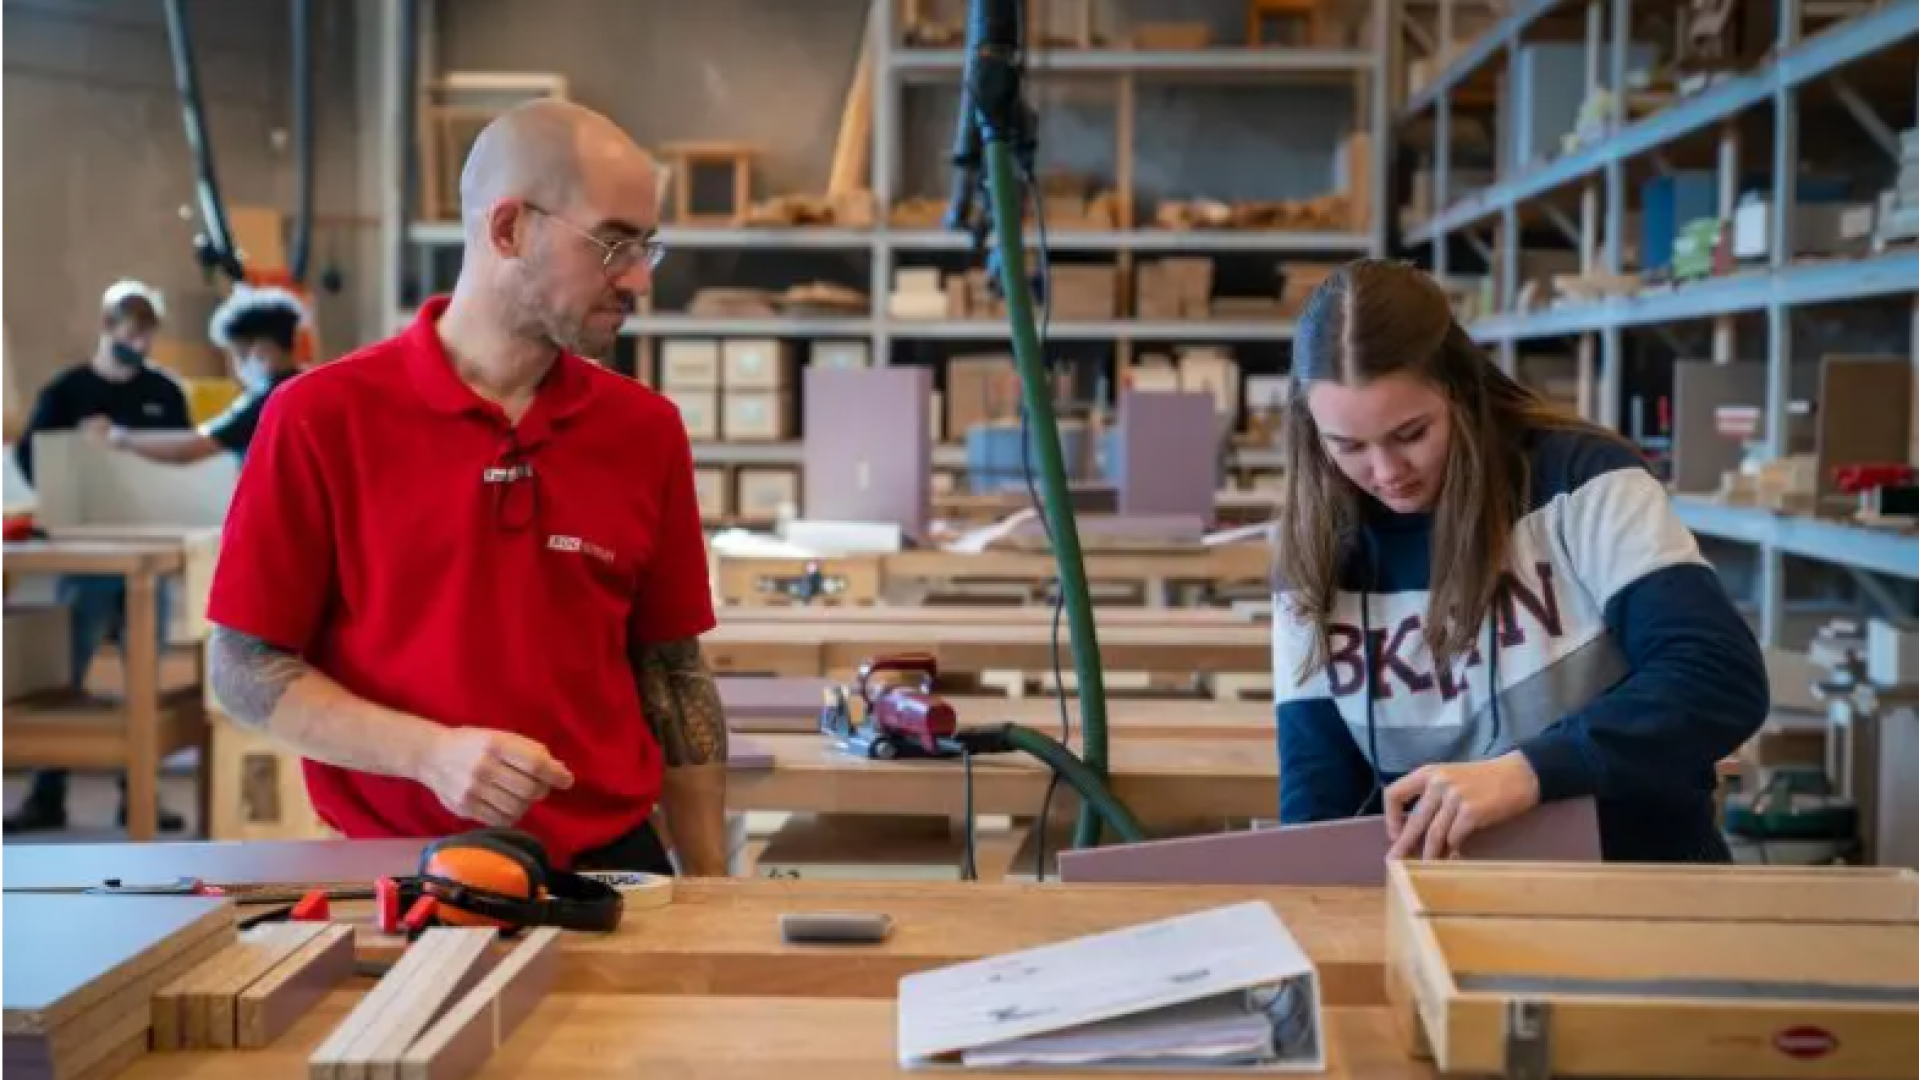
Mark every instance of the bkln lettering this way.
pixel 1345 671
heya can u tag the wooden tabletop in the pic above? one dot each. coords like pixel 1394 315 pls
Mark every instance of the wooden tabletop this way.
pixel 1160 780
pixel 804 648
pixel 93 556
pixel 587 1036
pixel 723 936
pixel 1222 562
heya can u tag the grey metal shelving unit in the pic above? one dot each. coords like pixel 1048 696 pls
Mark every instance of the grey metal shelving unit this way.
pixel 1597 171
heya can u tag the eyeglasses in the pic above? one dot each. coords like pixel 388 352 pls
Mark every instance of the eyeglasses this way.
pixel 619 257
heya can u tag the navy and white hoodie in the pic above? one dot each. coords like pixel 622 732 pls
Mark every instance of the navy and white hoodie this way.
pixel 1623 670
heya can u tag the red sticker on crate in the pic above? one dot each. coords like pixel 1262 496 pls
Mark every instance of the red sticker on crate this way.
pixel 1805 1042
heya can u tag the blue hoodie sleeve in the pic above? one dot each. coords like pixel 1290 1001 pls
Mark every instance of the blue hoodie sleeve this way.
pixel 1696 687
pixel 1323 775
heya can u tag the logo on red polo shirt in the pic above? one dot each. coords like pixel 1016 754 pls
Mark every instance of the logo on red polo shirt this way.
pixel 574 543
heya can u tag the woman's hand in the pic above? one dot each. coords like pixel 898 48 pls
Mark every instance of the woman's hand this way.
pixel 1456 801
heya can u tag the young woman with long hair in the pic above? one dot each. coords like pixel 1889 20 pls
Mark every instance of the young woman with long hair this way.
pixel 1484 602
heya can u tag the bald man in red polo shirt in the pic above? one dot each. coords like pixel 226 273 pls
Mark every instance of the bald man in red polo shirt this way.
pixel 463 573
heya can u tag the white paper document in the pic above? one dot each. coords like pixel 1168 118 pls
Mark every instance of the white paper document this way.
pixel 1224 988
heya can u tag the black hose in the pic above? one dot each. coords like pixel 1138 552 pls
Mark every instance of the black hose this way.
pixel 302 15
pixel 409 46
pixel 219 250
pixel 1093 790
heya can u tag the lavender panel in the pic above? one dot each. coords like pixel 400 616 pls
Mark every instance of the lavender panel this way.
pixel 869 446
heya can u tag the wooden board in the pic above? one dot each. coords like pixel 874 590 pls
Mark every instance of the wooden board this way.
pixel 270 1006
pixel 442 964
pixel 1672 987
pixel 589 1037
pixel 67 953
pixel 82 481
pixel 460 1043
pixel 802 649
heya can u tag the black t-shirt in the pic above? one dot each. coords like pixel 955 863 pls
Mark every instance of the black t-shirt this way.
pixel 151 399
pixel 233 429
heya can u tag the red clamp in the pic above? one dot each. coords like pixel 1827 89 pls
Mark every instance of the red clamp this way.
pixel 420 914
pixel 312 907
pixel 386 899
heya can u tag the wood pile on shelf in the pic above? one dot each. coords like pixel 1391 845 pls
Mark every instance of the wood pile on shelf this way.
pixel 1083 293
pixel 1298 280
pixel 1172 35
pixel 824 300
pixel 919 212
pixel 1192 369
pixel 1786 485
pixel 1076 203
pixel 729 303
pixel 974 295
pixel 918 294
pixel 1179 288
pixel 853 210
pixel 1324 213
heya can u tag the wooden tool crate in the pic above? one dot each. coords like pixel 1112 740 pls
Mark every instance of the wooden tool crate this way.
pixel 1561 970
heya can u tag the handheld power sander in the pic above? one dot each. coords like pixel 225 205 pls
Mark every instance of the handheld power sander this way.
pixel 900 717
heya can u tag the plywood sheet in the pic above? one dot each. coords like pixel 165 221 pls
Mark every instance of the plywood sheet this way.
pixel 1352 852
pixel 80 481
pixel 65 953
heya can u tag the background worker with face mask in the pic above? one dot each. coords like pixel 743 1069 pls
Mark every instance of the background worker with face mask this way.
pixel 114 389
pixel 257 327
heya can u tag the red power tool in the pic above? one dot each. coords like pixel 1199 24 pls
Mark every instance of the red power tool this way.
pixel 900 717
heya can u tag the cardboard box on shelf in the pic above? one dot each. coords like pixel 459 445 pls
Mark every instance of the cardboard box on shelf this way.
pixel 841 355
pixel 710 491
pixel 699 411
pixel 757 416
pixel 764 492
pixel 689 364
pixel 756 364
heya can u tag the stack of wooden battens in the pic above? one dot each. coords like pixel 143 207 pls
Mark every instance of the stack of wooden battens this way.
pixel 82 970
pixel 247 995
pixel 442 1010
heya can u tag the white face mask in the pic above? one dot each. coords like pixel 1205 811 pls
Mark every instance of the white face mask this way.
pixel 254 373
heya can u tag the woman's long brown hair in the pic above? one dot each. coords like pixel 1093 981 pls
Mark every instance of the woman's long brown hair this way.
pixel 1370 319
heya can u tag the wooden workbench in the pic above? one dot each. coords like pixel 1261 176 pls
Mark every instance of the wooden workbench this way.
pixel 823 648
pixel 61 732
pixel 1168 781
pixel 586 1037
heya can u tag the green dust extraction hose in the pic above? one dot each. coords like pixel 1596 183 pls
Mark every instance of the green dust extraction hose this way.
pixel 1095 800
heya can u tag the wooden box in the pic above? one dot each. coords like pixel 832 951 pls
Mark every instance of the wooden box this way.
pixel 1639 970
pixel 757 364
pixel 710 491
pixel 699 410
pixel 689 364
pixel 757 416
pixel 762 492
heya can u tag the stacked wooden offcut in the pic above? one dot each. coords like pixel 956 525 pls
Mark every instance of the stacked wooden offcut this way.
pixel 249 993
pixel 1174 289
pixel 442 1010
pixel 918 294
pixel 1084 293
pixel 973 295
pixel 1074 203
pixel 1297 282
pixel 81 971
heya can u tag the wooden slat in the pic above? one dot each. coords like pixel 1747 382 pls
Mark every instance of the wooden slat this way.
pixel 464 960
pixel 329 1058
pixel 266 1009
pixel 272 947
pixel 459 1043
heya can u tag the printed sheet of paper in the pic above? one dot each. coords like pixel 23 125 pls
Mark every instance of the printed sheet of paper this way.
pixel 1121 973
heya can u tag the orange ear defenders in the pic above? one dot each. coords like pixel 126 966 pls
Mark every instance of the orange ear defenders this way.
pixel 500 878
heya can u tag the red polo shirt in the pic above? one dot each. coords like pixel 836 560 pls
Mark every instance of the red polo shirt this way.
pixel 365 536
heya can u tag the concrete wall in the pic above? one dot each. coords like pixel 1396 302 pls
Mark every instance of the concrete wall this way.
pixel 98 168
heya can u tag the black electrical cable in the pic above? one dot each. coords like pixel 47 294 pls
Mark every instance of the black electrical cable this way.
pixel 217 251
pixel 302 140
pixel 969 868
pixel 409 47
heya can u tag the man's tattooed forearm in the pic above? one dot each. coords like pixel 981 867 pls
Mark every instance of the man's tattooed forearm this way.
pixel 249 676
pixel 682 703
